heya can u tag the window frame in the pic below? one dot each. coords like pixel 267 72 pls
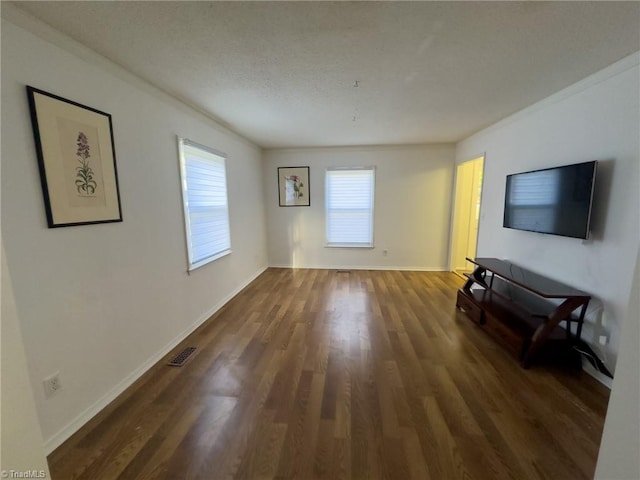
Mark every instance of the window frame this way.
pixel 369 245
pixel 182 144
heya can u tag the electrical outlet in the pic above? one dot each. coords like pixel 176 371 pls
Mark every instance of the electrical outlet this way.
pixel 52 385
pixel 603 339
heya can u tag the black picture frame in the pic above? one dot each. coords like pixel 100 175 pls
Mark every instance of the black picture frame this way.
pixel 76 158
pixel 293 187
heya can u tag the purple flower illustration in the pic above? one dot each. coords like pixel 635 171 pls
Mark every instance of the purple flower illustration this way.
pixel 85 183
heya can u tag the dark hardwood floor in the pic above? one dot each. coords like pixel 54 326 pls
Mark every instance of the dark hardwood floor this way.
pixel 320 374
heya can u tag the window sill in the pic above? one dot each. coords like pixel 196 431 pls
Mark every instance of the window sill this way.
pixel 207 260
pixel 349 245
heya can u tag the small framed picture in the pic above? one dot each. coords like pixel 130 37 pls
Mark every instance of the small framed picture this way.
pixel 293 186
pixel 75 149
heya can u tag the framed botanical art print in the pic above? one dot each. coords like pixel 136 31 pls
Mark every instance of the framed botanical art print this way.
pixel 293 186
pixel 77 162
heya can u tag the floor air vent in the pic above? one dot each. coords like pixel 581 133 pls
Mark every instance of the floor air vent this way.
pixel 180 359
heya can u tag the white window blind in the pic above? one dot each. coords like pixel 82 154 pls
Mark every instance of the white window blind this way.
pixel 349 207
pixel 204 194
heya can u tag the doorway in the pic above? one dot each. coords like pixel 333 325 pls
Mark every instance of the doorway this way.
pixel 466 214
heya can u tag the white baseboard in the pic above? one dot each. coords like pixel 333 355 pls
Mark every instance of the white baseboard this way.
pixel 72 427
pixel 361 267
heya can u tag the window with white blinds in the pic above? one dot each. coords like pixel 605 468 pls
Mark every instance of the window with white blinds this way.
pixel 204 194
pixel 349 206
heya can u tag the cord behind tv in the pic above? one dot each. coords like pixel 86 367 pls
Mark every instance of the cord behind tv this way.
pixel 587 352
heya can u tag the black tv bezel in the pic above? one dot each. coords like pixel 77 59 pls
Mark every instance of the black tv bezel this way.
pixel 593 183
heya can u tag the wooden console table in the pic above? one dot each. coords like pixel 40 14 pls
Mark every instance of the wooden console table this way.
pixel 522 308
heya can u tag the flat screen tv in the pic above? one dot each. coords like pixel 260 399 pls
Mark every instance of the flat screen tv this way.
pixel 554 200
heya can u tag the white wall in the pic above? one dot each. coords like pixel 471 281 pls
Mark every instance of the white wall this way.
pixel 596 119
pixel 21 445
pixel 412 208
pixel 101 303
pixel 618 458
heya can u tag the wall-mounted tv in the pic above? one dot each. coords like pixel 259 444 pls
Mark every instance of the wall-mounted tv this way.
pixel 554 200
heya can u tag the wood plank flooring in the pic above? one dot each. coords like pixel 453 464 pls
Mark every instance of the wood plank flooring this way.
pixel 317 374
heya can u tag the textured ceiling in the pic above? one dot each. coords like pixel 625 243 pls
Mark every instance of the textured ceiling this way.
pixel 282 73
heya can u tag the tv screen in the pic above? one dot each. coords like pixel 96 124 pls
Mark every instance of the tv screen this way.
pixel 553 200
